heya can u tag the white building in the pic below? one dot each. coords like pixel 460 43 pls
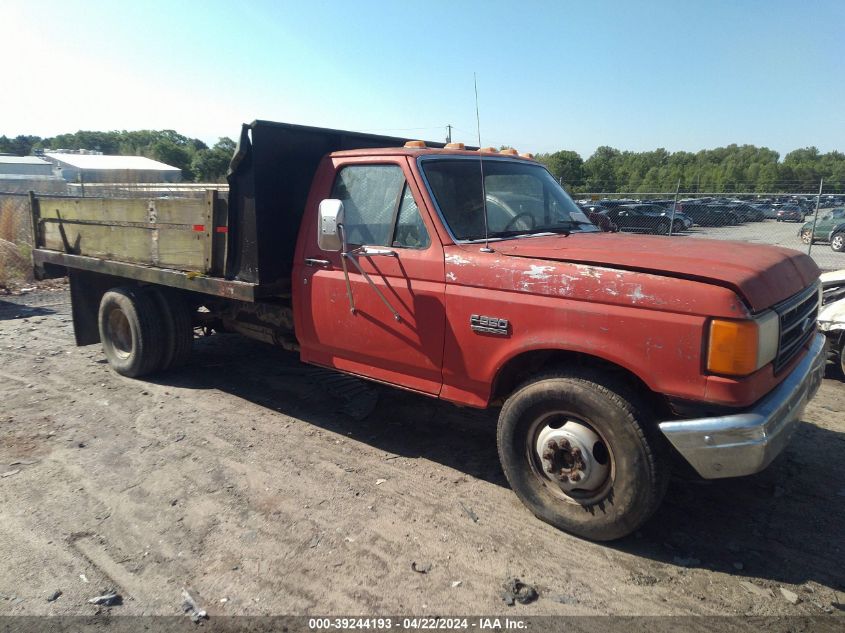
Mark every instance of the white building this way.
pixel 91 168
pixel 24 166
pixel 19 174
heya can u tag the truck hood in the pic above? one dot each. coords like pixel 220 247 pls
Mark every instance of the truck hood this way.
pixel 761 275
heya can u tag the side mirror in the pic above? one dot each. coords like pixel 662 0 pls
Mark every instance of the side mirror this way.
pixel 328 234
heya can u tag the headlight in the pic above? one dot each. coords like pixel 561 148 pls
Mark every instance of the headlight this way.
pixel 739 348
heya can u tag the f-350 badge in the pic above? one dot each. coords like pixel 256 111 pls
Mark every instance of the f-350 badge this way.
pixel 488 325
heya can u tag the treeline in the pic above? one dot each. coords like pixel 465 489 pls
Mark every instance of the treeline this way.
pixel 724 169
pixel 197 161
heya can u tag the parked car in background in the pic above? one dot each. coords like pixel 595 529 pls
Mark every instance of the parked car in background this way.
pixel 593 210
pixel 832 316
pixel 789 212
pixel 769 212
pixel 745 211
pixel 705 214
pixel 610 204
pixel 681 221
pixel 639 218
pixel 829 225
pixel 731 217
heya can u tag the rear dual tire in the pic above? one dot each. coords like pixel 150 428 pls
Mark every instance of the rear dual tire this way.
pixel 144 330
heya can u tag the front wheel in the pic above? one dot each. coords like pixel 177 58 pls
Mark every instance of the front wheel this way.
pixel 806 236
pixel 837 242
pixel 576 451
pixel 662 228
pixel 842 356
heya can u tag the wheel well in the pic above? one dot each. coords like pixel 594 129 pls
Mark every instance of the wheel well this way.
pixel 520 368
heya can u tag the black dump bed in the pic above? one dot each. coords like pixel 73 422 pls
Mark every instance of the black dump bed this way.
pixel 270 178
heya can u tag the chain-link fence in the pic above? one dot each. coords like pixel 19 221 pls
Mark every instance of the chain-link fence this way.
pixel 812 223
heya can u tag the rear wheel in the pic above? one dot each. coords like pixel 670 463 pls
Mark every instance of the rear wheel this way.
pixel 179 327
pixel 662 228
pixel 576 452
pixel 837 242
pixel 132 331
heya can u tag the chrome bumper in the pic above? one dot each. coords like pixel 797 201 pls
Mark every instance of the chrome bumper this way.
pixel 745 443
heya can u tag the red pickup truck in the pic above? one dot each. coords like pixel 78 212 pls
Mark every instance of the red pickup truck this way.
pixel 467 275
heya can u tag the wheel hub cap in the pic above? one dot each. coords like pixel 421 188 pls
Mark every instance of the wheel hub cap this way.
pixel 573 456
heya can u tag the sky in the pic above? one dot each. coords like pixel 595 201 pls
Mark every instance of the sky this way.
pixel 680 74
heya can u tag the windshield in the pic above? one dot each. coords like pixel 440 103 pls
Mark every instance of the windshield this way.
pixel 522 199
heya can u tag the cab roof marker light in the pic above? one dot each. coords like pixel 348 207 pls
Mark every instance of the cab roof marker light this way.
pixel 489 150
pixel 454 146
pixel 415 145
pixel 527 155
pixel 509 152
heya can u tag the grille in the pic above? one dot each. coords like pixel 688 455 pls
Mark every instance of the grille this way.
pixel 798 316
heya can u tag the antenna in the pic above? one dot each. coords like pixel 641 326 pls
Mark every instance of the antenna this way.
pixel 486 248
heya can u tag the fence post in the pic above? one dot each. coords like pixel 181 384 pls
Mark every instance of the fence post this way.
pixel 674 205
pixel 815 217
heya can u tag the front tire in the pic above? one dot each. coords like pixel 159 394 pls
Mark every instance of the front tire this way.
pixel 837 242
pixel 806 236
pixel 662 228
pixel 576 451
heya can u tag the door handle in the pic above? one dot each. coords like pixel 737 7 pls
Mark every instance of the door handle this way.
pixel 310 261
pixel 369 251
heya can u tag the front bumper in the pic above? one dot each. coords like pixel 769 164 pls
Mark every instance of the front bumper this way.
pixel 745 443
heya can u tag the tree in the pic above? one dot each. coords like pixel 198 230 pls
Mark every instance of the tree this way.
pixel 211 165
pixel 19 146
pixel 566 166
pixel 601 168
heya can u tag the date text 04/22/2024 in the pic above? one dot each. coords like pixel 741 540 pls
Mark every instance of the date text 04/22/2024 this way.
pixel 417 623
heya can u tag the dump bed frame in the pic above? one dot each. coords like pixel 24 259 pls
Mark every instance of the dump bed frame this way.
pixel 240 247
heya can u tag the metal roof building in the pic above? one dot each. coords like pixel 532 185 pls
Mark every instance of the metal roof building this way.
pixel 105 168
pixel 24 166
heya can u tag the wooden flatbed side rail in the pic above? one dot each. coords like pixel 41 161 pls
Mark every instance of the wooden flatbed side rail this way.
pixel 240 290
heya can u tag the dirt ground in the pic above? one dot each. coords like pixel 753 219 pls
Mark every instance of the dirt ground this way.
pixel 271 488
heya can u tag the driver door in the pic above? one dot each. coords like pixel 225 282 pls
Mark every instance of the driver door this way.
pixel 395 334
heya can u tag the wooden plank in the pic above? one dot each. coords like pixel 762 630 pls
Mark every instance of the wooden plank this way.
pixel 210 201
pixel 219 238
pixel 176 248
pixel 184 250
pixel 161 211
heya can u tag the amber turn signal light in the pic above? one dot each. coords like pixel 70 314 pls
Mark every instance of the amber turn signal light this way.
pixel 733 347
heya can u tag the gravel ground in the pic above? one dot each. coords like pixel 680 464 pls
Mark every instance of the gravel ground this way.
pixel 270 488
pixel 772 232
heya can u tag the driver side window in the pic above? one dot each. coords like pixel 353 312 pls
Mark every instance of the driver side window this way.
pixel 369 194
pixel 379 207
pixel 410 228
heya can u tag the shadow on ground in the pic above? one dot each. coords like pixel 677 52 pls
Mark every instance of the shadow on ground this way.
pixel 14 310
pixel 784 524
